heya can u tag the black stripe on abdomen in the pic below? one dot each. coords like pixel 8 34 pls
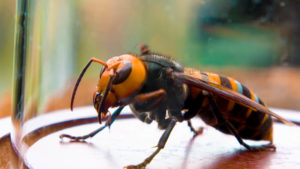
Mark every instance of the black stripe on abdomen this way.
pixel 240 111
pixel 225 82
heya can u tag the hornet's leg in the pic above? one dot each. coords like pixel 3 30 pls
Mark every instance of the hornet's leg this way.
pixel 145 102
pixel 158 95
pixel 230 127
pixel 161 144
pixel 195 131
pixel 107 124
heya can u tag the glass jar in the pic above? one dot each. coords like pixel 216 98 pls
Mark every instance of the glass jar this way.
pixel 56 39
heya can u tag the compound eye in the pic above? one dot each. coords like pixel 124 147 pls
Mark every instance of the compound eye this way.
pixel 122 73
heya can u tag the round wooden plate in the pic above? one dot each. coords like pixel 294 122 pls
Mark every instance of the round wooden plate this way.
pixel 129 141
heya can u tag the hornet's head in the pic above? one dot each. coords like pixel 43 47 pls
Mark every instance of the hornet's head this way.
pixel 121 77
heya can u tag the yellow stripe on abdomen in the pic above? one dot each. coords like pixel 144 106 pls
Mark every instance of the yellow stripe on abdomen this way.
pixel 214 78
pixel 234 88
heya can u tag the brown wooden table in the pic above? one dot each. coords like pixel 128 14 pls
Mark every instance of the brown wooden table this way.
pixel 129 141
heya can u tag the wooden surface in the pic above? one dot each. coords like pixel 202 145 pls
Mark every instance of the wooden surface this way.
pixel 129 141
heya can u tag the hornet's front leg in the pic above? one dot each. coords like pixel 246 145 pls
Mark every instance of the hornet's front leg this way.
pixel 161 144
pixel 145 102
pixel 107 124
pixel 156 96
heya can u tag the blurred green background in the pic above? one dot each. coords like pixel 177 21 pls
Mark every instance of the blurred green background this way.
pixel 204 34
pixel 7 16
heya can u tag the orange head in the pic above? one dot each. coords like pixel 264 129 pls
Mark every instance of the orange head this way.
pixel 121 77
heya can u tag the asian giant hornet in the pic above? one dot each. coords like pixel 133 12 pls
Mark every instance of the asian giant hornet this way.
pixel 158 88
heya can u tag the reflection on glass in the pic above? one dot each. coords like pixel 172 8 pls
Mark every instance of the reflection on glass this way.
pixel 43 61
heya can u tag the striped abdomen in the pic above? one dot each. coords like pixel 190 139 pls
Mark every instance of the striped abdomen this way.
pixel 250 124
